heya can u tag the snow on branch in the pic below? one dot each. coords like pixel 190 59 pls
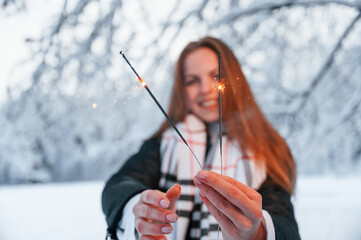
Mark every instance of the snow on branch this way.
pixel 17 4
pixel 237 13
pixel 80 109
pixel 323 70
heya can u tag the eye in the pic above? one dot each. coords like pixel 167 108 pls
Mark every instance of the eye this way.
pixel 191 81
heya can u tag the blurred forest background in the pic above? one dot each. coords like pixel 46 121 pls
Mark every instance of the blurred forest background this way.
pixel 71 109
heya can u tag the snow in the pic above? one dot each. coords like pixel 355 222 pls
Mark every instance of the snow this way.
pixel 50 131
pixel 65 138
pixel 329 207
pixel 52 211
pixel 13 47
pixel 326 207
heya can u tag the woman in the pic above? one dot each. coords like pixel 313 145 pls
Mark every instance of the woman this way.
pixel 162 190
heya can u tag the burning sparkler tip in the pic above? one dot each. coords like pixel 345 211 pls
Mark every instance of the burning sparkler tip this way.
pixel 121 52
pixel 142 81
pixel 221 87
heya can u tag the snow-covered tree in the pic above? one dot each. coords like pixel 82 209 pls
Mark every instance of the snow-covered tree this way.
pixel 78 111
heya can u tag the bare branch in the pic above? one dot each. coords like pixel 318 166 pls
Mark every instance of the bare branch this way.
pixel 17 4
pixel 237 13
pixel 317 79
pixel 178 25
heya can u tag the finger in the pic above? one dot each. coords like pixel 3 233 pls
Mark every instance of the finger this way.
pixel 155 197
pixel 154 213
pixel 250 208
pixel 149 228
pixel 173 194
pixel 228 191
pixel 225 206
pixel 250 192
pixel 256 199
pixel 149 237
pixel 226 225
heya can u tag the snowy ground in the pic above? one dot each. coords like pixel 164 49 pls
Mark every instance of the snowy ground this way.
pixel 329 207
pixel 326 208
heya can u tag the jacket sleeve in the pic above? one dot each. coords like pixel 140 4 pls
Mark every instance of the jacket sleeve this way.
pixel 277 202
pixel 140 172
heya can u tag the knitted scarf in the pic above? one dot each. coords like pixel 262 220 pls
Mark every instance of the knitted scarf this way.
pixel 178 165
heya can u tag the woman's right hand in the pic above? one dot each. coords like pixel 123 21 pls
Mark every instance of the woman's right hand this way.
pixel 155 211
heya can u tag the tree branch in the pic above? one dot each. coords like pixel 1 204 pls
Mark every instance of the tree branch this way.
pixel 317 79
pixel 237 13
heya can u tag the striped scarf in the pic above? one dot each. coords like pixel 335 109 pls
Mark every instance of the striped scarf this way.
pixel 179 166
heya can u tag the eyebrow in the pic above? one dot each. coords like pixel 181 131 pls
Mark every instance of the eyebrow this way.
pixel 215 70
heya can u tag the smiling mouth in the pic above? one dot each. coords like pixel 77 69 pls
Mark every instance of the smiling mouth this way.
pixel 209 103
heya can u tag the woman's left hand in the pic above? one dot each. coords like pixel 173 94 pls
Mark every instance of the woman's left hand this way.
pixel 236 207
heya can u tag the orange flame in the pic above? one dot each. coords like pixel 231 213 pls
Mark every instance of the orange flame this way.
pixel 221 87
pixel 142 82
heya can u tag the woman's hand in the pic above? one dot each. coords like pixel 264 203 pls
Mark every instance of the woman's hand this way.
pixel 155 211
pixel 236 207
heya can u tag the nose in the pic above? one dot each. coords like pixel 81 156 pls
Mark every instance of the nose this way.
pixel 207 85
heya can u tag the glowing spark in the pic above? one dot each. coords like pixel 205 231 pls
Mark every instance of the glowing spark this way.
pixel 95 105
pixel 220 86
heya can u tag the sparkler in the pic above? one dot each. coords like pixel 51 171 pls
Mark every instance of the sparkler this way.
pixel 220 88
pixel 144 84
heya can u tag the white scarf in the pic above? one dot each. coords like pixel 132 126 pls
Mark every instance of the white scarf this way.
pixel 178 165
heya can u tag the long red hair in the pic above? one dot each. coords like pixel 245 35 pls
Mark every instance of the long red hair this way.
pixel 241 115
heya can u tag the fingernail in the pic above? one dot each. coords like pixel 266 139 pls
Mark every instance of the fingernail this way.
pixel 164 203
pixel 202 174
pixel 197 180
pixel 172 217
pixel 167 229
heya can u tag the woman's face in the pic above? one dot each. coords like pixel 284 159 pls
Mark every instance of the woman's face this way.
pixel 201 83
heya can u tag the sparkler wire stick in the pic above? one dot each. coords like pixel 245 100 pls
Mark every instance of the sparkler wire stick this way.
pixel 220 108
pixel 220 116
pixel 161 108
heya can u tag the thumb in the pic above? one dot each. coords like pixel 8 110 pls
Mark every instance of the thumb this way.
pixel 173 194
